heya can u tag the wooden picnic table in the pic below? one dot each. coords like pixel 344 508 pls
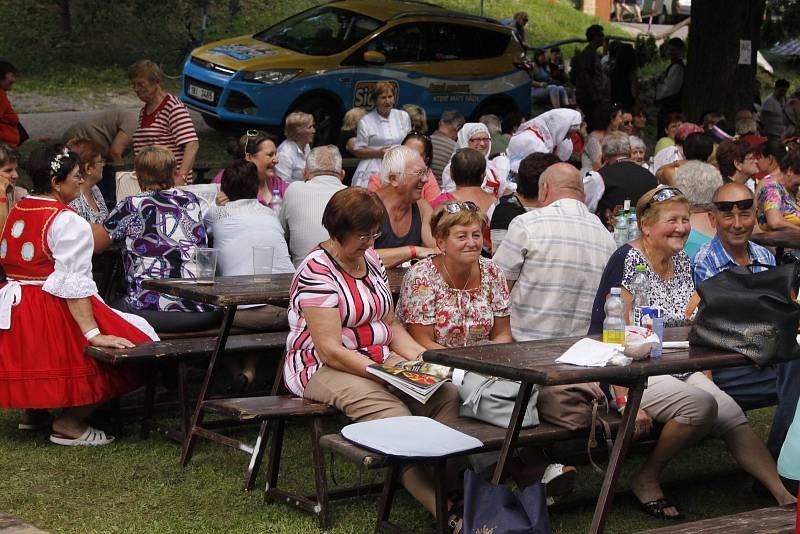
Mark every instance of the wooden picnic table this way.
pixel 532 362
pixel 244 289
pixel 230 292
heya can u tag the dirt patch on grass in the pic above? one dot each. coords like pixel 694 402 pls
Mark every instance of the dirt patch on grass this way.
pixel 26 102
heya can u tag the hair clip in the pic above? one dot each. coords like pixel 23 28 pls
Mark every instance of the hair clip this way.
pixel 55 165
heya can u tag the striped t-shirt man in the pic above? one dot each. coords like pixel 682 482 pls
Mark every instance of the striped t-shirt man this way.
pixel 557 255
pixel 169 125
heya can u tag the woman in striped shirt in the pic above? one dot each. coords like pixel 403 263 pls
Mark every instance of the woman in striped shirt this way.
pixel 342 320
pixel 163 120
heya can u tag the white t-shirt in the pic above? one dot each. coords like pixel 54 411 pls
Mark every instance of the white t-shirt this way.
pixel 291 161
pixel 240 225
pixel 375 131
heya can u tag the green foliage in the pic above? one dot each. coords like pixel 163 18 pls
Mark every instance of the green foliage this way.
pixel 646 49
pixel 781 21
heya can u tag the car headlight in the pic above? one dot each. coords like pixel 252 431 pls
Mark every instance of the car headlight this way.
pixel 271 77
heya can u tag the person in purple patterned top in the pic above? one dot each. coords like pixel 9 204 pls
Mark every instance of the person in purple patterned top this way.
pixel 161 229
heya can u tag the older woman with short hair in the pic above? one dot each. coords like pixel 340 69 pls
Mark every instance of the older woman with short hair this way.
pixel 405 228
pixel 378 130
pixel 90 203
pixel 698 181
pixel 293 151
pixel 418 117
pixel 738 162
pixel 689 404
pixel 638 151
pixel 163 120
pixel 341 321
pixel 161 229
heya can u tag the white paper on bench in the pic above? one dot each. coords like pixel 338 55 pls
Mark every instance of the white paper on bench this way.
pixel 590 353
pixel 409 436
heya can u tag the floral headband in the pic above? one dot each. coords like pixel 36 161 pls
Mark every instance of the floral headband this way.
pixel 55 165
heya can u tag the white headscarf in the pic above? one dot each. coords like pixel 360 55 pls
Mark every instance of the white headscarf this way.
pixel 545 133
pixel 467 132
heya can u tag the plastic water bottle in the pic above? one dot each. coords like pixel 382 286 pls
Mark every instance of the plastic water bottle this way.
pixel 640 289
pixel 633 227
pixel 277 201
pixel 620 228
pixel 614 323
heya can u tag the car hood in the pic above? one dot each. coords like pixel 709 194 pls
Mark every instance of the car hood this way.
pixel 244 52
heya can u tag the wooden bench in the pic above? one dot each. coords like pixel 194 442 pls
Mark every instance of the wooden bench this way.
pixel 182 351
pixel 491 436
pixel 775 520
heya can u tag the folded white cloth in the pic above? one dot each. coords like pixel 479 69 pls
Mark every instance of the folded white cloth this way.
pixel 590 353
pixel 409 436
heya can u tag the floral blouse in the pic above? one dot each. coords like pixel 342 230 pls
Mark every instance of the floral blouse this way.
pixel 772 195
pixel 459 317
pixel 85 210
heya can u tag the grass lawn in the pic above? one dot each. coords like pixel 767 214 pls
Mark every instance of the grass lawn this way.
pixel 137 486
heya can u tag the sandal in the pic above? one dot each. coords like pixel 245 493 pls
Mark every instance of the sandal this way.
pixel 90 437
pixel 656 508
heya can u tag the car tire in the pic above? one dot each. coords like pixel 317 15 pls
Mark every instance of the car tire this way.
pixel 494 105
pixel 327 117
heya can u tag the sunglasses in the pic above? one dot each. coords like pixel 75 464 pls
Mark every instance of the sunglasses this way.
pixel 455 207
pixel 663 194
pixel 727 206
pixel 249 134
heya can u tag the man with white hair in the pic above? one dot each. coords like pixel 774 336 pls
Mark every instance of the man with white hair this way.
pixel 623 179
pixel 554 256
pixel 405 231
pixel 304 201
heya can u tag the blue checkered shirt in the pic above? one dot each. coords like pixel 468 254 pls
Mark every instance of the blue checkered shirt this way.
pixel 712 258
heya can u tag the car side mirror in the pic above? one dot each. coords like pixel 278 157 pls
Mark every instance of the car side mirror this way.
pixel 376 58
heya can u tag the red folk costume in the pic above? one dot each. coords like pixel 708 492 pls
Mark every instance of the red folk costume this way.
pixel 46 250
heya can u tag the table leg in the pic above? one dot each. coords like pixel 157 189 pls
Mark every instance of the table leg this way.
pixel 197 415
pixel 621 443
pixel 523 397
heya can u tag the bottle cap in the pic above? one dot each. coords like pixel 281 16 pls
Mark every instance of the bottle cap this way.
pixel 641 268
pixel 627 204
pixel 615 291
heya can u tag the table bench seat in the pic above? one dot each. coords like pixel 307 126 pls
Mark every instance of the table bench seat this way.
pixel 174 349
pixel 774 520
pixel 268 407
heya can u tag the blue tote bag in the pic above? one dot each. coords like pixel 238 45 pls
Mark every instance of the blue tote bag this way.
pixel 491 509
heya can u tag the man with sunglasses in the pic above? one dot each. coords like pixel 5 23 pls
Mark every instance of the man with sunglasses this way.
pixel 734 216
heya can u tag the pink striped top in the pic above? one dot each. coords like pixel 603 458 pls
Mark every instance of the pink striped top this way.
pixel 169 125
pixel 363 305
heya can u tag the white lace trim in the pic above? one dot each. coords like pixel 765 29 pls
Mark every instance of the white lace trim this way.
pixel 69 285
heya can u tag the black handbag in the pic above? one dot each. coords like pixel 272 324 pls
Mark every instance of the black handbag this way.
pixel 753 314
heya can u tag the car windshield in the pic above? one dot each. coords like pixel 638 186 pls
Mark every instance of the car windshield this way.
pixel 320 32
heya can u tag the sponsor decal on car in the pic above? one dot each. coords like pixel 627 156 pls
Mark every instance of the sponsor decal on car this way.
pixel 362 94
pixel 242 52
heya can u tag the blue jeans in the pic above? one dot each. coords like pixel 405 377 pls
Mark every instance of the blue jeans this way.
pixel 751 385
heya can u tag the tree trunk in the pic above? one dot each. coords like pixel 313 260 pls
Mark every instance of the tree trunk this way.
pixel 65 16
pixel 715 81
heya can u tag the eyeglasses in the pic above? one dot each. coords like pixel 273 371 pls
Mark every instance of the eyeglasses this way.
pixel 455 207
pixel 663 194
pixel 727 206
pixel 370 237
pixel 421 174
pixel 481 139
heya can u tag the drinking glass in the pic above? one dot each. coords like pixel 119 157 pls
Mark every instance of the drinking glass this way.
pixel 262 263
pixel 206 260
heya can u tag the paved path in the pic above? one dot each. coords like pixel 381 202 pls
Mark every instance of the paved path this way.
pixel 656 29
pixel 52 125
pixel 10 525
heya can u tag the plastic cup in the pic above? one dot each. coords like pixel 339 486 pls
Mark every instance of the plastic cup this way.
pixel 262 263
pixel 206 260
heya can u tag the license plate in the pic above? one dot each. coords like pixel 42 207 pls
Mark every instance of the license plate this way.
pixel 201 93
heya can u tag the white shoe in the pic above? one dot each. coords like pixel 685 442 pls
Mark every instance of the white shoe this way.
pixel 91 437
pixel 560 480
